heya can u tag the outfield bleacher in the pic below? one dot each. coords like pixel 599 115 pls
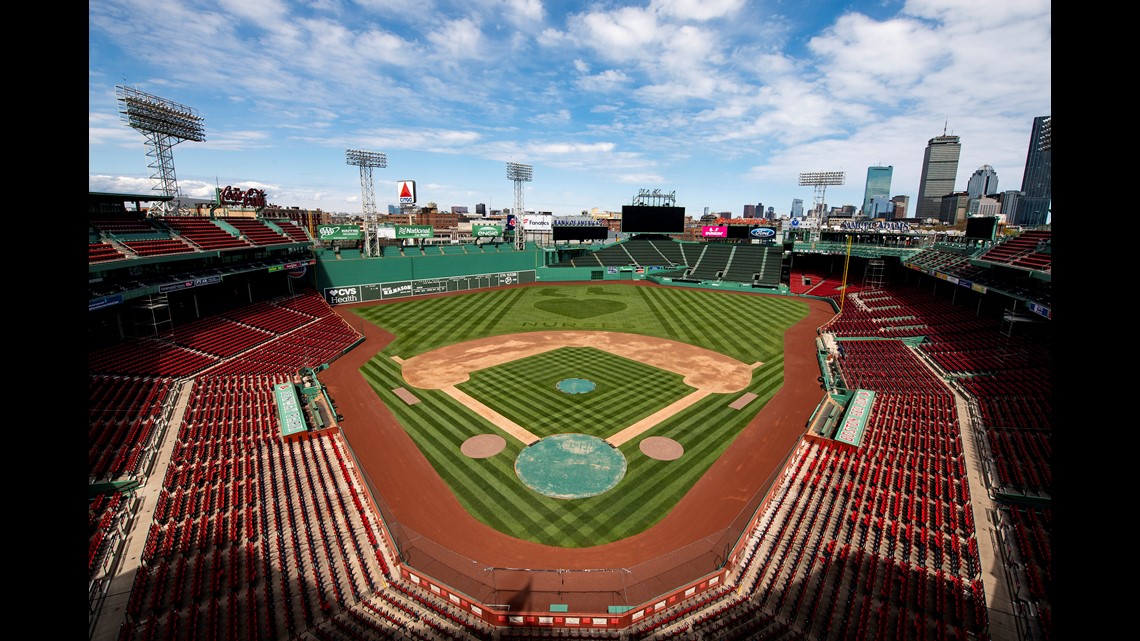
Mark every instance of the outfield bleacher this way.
pixel 711 262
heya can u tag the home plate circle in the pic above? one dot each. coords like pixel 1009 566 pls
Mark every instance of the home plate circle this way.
pixel 661 448
pixel 483 445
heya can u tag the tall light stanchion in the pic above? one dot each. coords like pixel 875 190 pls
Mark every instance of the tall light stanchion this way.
pixel 519 174
pixel 164 123
pixel 820 180
pixel 366 160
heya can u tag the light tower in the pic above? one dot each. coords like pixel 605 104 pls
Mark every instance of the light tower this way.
pixel 820 180
pixel 366 160
pixel 519 174
pixel 165 124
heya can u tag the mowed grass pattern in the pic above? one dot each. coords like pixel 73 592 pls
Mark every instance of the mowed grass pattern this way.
pixel 627 391
pixel 749 328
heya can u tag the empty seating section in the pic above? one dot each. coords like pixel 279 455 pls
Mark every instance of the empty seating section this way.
pixel 673 251
pixel 308 303
pixel 321 341
pixel 291 229
pixel 711 261
pixel 641 252
pixel 615 255
pixel 102 252
pixel 124 416
pixel 646 254
pixel 218 336
pixel 158 247
pixel 271 317
pixel 900 312
pixel 1028 542
pixel 945 260
pixel 1024 250
pixel 257 232
pixel 203 232
pixel 758 264
pixel 874 542
pixel 148 357
pixel 125 224
pixel 262 538
pixel 107 517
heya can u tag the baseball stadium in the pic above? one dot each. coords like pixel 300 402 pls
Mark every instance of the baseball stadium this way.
pixel 836 435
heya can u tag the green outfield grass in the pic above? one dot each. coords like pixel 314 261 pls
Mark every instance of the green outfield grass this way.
pixel 748 328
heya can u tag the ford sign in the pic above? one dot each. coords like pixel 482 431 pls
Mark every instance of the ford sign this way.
pixel 762 232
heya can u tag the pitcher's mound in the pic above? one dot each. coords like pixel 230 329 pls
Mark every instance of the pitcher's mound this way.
pixel 661 448
pixel 483 445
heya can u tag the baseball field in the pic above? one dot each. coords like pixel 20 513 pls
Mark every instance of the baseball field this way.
pixel 597 406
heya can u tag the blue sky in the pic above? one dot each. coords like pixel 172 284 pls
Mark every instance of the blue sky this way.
pixel 722 102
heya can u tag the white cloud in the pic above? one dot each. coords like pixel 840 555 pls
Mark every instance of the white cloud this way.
pixel 456 40
pixel 700 10
pixel 530 10
pixel 604 82
pixel 560 117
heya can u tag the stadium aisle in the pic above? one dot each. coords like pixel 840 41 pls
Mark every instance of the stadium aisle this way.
pixel 113 607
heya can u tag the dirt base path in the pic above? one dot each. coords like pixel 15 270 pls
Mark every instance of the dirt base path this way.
pixel 424 504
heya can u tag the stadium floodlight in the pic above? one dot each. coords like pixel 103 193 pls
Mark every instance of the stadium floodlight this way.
pixel 519 174
pixel 164 123
pixel 820 180
pixel 366 160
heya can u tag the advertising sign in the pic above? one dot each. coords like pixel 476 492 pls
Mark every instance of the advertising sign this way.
pixel 406 190
pixel 714 231
pixel 486 231
pixel 339 232
pixel 339 295
pixel 537 222
pixel 243 198
pixel 763 233
pixel 105 301
pixel 197 282
pixel 415 231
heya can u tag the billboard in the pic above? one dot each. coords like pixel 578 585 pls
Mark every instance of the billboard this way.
pixel 652 219
pixel 580 232
pixel 752 232
pixel 537 222
pixel 339 232
pixel 984 227
pixel 714 231
pixel 486 231
pixel 415 231
pixel 406 191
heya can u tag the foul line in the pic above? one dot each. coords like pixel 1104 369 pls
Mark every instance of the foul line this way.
pixel 651 421
pixel 500 421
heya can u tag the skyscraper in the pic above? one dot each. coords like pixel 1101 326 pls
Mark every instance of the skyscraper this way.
pixel 1037 182
pixel 797 208
pixel 939 169
pixel 878 185
pixel 983 183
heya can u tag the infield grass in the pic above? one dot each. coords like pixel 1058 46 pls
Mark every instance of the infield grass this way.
pixel 749 328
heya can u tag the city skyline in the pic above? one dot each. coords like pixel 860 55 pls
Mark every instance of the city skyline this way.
pixel 723 102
